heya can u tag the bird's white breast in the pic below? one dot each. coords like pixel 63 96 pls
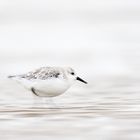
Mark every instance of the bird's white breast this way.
pixel 50 87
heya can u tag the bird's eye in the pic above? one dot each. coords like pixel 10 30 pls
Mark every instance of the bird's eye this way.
pixel 72 73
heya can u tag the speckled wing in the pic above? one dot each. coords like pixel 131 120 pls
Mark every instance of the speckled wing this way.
pixel 42 73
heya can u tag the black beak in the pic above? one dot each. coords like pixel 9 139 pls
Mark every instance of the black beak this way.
pixel 78 78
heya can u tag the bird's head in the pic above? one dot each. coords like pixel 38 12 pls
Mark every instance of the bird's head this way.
pixel 72 76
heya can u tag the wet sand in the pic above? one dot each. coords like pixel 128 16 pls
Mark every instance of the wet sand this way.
pixel 107 111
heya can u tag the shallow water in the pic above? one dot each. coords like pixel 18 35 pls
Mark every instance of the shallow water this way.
pixel 98 39
pixel 106 111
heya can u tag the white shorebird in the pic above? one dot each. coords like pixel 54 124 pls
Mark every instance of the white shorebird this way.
pixel 48 81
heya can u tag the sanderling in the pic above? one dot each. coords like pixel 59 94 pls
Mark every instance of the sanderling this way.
pixel 48 81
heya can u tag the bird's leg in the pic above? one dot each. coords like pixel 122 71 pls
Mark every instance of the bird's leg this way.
pixel 34 92
pixel 48 102
pixel 37 101
pixel 42 101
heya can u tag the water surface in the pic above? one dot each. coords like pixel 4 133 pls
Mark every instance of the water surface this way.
pixel 107 111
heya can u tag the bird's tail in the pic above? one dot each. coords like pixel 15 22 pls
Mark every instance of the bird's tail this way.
pixel 19 80
pixel 11 76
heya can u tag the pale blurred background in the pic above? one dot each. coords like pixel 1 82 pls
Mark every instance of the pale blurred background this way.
pixel 97 38
pixel 100 39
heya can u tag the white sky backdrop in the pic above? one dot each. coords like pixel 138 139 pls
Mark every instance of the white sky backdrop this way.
pixel 96 37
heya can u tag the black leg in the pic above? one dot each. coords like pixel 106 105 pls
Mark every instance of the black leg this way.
pixel 33 90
